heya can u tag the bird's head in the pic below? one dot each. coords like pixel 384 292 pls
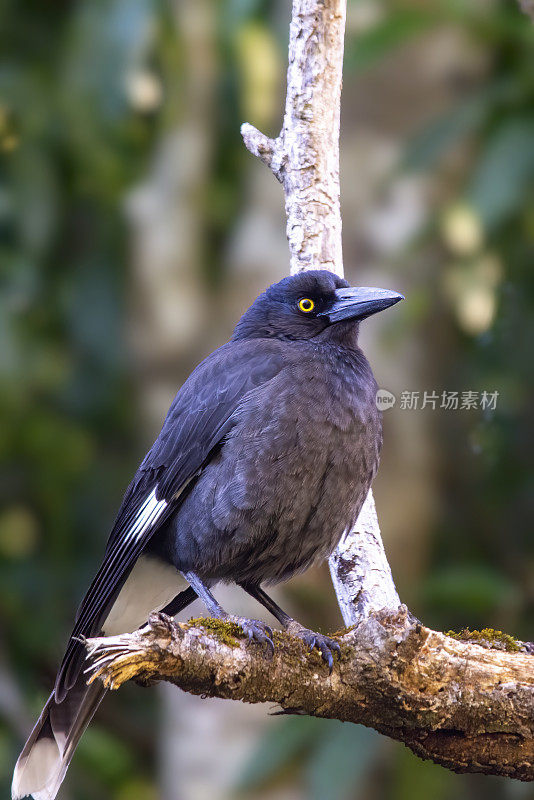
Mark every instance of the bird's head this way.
pixel 310 304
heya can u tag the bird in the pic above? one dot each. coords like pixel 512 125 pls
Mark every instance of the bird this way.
pixel 263 462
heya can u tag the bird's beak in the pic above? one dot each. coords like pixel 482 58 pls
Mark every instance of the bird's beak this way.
pixel 358 302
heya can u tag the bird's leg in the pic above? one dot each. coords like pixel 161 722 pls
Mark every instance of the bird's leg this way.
pixel 324 644
pixel 254 628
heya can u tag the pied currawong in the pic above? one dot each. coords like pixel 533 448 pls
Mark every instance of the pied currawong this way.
pixel 263 462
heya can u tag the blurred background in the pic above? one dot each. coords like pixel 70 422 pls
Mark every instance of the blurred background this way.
pixel 135 230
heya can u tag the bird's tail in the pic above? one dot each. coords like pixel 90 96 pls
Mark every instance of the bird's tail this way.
pixel 43 762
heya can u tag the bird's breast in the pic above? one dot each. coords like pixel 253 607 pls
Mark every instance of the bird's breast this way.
pixel 296 468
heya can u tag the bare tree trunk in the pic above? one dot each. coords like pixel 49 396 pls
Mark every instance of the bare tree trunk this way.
pixel 466 706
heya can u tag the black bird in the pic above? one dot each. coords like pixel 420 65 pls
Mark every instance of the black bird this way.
pixel 264 460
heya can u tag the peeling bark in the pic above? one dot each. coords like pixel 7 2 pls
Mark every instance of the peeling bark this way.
pixel 467 707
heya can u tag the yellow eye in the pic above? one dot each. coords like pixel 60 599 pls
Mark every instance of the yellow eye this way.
pixel 306 305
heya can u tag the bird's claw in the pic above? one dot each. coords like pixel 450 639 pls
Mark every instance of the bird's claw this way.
pixel 324 644
pixel 257 631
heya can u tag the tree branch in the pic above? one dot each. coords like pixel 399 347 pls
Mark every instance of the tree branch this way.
pixel 305 157
pixel 360 571
pixel 464 706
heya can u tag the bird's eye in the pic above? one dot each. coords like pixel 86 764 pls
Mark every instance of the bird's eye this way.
pixel 306 305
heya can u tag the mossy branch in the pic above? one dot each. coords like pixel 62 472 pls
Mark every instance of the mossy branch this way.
pixel 465 706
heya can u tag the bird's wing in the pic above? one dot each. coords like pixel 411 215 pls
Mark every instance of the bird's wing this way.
pixel 198 420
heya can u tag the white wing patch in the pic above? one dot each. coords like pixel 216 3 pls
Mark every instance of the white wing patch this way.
pixel 151 584
pixel 148 514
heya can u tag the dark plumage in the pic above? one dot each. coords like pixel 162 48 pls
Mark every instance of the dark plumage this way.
pixel 264 460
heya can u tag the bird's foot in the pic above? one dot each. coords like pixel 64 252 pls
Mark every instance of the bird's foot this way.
pixel 256 631
pixel 326 646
